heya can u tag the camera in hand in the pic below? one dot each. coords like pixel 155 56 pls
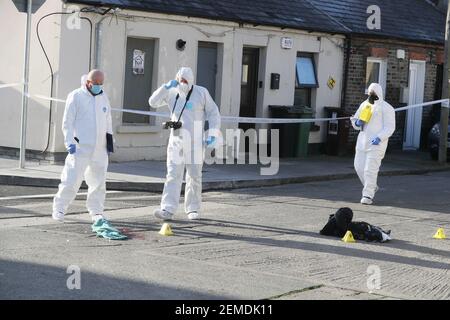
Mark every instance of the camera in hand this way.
pixel 172 124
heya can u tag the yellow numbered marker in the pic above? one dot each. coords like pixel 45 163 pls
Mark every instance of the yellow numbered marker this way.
pixel 440 234
pixel 348 237
pixel 166 230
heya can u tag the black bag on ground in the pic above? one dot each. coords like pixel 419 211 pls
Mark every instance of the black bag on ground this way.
pixel 337 224
pixel 340 222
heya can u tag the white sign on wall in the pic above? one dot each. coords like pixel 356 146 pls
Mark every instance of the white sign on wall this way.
pixel 287 43
pixel 22 5
pixel 138 61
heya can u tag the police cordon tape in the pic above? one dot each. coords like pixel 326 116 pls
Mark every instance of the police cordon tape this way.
pixel 47 98
pixel 7 85
pixel 444 103
pixel 223 118
pixel 229 119
pixel 234 119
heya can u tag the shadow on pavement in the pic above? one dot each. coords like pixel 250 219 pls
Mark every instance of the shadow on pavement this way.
pixel 23 280
pixel 315 247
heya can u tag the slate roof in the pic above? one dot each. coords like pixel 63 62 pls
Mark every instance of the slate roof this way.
pixel 295 14
pixel 414 20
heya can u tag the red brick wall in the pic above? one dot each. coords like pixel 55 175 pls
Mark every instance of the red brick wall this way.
pixel 379 52
pixel 440 57
pixel 397 78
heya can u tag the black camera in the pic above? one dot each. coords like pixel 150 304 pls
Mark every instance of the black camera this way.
pixel 172 124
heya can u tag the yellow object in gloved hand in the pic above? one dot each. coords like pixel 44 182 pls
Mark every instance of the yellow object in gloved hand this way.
pixel 366 113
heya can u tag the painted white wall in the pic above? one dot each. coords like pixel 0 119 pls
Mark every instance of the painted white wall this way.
pixel 329 64
pixel 149 142
pixel 73 63
pixel 273 59
pixel 12 37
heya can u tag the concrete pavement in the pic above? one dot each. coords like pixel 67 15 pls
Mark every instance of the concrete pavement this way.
pixel 253 243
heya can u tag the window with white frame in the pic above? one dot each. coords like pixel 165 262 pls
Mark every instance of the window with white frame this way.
pixel 376 70
pixel 306 79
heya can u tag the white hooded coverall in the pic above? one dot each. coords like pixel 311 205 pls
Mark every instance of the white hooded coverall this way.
pixel 87 118
pixel 186 145
pixel 368 156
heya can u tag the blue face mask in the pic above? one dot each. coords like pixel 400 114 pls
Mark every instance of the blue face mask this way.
pixel 96 88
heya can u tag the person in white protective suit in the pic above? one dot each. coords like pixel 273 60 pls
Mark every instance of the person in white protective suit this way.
pixel 191 105
pixel 87 130
pixel 375 119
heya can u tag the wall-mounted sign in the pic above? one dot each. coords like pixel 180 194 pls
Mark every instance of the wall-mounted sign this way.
pixel 22 5
pixel 287 43
pixel 138 61
pixel 331 82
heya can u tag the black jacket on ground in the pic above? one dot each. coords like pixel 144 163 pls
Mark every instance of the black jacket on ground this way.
pixel 341 222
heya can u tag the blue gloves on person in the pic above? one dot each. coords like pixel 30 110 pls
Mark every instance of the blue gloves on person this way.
pixel 376 141
pixel 359 123
pixel 210 141
pixel 72 149
pixel 171 84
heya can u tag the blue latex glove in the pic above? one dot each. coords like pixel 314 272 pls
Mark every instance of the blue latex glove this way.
pixel 210 141
pixel 171 84
pixel 376 141
pixel 72 149
pixel 359 123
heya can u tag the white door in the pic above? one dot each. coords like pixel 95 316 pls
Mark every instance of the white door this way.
pixel 414 116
